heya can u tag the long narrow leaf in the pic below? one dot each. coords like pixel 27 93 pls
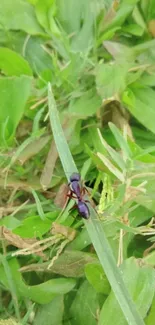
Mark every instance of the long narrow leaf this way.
pixel 94 226
pixel 120 140
pixel 111 167
pixel 114 155
pixel 61 143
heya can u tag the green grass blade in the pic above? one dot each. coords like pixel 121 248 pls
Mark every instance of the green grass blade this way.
pixel 94 226
pixel 113 153
pixel 11 284
pixel 58 134
pixel 38 205
pixel 120 140
pixel 111 167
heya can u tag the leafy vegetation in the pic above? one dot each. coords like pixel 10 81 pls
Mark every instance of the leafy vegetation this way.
pixel 91 65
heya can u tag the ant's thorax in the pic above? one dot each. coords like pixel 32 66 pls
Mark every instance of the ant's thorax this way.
pixel 76 189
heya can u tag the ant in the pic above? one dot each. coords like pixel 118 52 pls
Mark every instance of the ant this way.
pixel 77 192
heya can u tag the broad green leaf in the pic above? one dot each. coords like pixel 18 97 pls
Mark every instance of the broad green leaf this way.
pixel 14 93
pixel 150 258
pixel 50 314
pixel 85 305
pixel 111 79
pixel 97 278
pixel 109 34
pixel 138 279
pixel 54 27
pixel 42 293
pixel 133 29
pixel 33 227
pixel 142 215
pixel 134 76
pixel 87 105
pixel 41 10
pixel 144 139
pixel 45 292
pixel 33 2
pixel 81 241
pixel 12 64
pixel 33 51
pixel 45 12
pixel 140 103
pixel 37 57
pixel 10 222
pixel 148 80
pixel 18 14
pixel 149 320
pixel 142 47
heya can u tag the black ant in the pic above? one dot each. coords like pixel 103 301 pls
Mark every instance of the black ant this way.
pixel 77 192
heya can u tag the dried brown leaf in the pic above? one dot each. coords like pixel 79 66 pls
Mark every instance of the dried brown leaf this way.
pixel 17 241
pixel 14 182
pixel 33 148
pixel 151 27
pixel 61 196
pixel 47 172
pixel 9 321
pixel 67 232
pixel 69 264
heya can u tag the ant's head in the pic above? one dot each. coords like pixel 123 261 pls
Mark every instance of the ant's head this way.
pixel 75 177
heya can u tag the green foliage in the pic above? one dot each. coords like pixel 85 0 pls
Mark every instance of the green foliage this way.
pixel 139 282
pixel 110 79
pixel 52 313
pixel 13 64
pixel 12 104
pixel 97 278
pixel 18 15
pixel 98 57
pixel 34 227
pixel 86 300
pixel 138 100
pixel 42 293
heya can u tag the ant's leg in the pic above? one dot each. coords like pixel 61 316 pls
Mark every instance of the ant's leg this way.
pixel 71 195
pixel 84 191
pixel 74 206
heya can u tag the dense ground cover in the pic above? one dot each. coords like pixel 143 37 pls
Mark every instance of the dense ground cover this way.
pixel 91 64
